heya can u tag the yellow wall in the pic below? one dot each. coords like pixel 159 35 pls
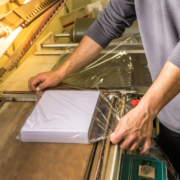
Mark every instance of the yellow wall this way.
pixel 79 3
pixel 54 26
pixel 3 10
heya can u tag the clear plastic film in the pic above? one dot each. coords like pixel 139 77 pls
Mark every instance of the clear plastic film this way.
pixel 74 116
pixel 110 70
pixel 109 108
pixel 120 66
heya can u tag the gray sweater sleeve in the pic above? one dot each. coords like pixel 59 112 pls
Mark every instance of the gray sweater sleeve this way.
pixel 175 55
pixel 112 21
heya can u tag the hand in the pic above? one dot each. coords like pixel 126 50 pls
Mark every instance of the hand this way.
pixel 44 80
pixel 135 127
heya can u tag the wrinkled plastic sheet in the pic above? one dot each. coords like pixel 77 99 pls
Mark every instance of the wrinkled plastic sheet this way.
pixel 109 109
pixel 121 66
pixel 74 116
pixel 111 71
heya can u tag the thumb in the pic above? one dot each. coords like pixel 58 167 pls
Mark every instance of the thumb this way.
pixel 116 138
pixel 42 86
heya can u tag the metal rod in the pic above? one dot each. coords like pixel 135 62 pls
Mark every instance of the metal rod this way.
pixel 62 35
pixel 76 44
pixel 18 97
pixel 57 52
pixel 59 45
pixel 127 51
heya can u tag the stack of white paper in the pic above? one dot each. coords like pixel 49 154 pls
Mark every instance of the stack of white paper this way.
pixel 62 117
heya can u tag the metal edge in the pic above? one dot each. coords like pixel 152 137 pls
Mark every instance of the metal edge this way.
pixel 19 97
pixel 115 154
pixel 2 102
pixel 95 161
pixel 87 175
pixel 100 168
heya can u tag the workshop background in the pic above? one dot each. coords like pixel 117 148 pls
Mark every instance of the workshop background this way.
pixel 40 37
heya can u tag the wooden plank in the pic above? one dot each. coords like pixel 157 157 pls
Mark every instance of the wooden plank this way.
pixel 36 161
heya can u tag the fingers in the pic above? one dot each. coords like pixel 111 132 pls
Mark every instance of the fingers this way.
pixel 147 146
pixel 118 134
pixel 135 145
pixel 34 82
pixel 131 142
pixel 42 81
pixel 42 86
pixel 127 142
pixel 116 137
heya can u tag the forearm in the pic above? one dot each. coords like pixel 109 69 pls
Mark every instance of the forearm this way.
pixel 87 50
pixel 163 90
pixel 84 53
pixel 136 126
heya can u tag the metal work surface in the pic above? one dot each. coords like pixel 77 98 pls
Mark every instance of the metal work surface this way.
pixel 130 165
pixel 32 161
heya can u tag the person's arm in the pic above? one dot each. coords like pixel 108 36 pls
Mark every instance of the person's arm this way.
pixel 136 126
pixel 85 52
pixel 111 23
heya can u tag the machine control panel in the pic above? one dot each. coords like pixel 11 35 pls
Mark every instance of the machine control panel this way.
pixel 146 170
pixel 142 168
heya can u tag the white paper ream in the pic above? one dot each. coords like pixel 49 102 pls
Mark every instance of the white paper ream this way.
pixel 61 117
